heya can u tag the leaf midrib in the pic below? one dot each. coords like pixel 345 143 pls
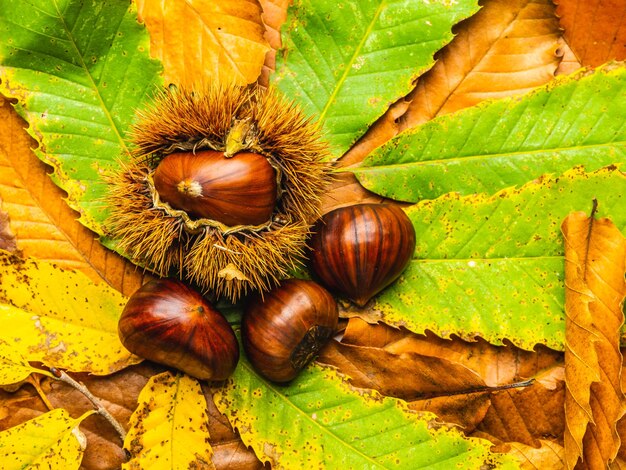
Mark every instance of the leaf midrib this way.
pixel 348 68
pixel 515 259
pixel 374 167
pixel 323 429
pixel 95 88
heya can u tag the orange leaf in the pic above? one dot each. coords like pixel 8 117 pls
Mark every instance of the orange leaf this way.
pixel 595 262
pixel 594 29
pixel 203 41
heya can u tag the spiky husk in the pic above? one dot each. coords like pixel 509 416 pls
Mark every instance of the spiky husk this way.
pixel 225 261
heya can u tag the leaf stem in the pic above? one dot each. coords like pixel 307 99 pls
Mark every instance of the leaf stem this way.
pixel 101 410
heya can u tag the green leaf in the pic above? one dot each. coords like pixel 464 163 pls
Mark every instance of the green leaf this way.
pixel 79 70
pixel 494 266
pixel 60 318
pixel 346 62
pixel 578 120
pixel 321 421
pixel 169 428
pixel 51 440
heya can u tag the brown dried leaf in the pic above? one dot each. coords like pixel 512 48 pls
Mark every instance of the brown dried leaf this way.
pixel 594 29
pixel 203 41
pixel 45 227
pixel 496 365
pixel 407 375
pixel 525 415
pixel 595 262
pixel 507 48
pixel 466 411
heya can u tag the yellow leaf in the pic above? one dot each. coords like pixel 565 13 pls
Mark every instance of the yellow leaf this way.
pixel 169 429
pixel 51 440
pixel 60 317
pixel 595 262
pixel 202 41
pixel 13 365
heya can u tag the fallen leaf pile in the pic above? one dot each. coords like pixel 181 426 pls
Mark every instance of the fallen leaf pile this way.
pixel 499 127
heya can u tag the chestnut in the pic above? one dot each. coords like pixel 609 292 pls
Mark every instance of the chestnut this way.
pixel 167 322
pixel 359 250
pixel 282 332
pixel 237 190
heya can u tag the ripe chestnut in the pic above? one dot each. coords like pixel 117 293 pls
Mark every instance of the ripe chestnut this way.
pixel 359 250
pixel 167 322
pixel 237 190
pixel 284 331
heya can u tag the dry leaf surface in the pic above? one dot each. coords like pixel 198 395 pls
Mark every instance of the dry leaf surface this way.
pixel 595 254
pixel 594 29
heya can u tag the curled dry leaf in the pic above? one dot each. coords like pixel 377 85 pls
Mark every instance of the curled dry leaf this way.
pixel 594 29
pixel 202 41
pixel 595 258
pixel 569 62
pixel 507 48
pixel 45 227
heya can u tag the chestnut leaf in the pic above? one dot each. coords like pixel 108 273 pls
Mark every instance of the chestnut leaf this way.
pixel 60 317
pixel 345 63
pixel 51 440
pixel 201 42
pixel 319 420
pixel 169 427
pixel 13 365
pixel 470 277
pixel 79 70
pixel 575 121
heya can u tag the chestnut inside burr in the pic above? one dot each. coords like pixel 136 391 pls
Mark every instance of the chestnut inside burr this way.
pixel 233 190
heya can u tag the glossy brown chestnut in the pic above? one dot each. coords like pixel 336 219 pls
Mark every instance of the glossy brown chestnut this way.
pixel 359 250
pixel 238 190
pixel 167 322
pixel 284 331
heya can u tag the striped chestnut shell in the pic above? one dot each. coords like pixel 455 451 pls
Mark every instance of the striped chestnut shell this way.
pixel 359 250
pixel 283 331
pixel 236 190
pixel 167 322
